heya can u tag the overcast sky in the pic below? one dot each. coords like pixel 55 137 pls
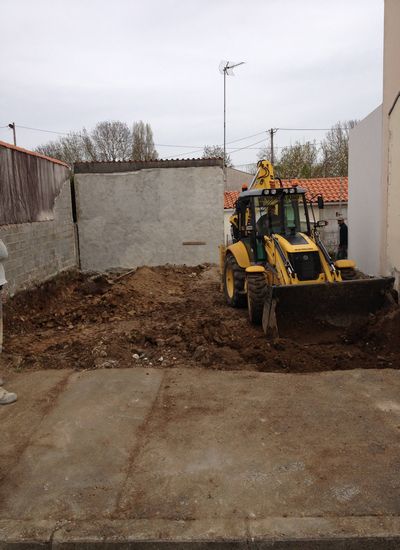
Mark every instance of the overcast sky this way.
pixel 66 64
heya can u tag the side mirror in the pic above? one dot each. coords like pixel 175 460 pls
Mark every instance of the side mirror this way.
pixel 321 223
pixel 320 200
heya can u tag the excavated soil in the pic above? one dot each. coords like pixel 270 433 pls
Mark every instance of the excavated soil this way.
pixel 174 316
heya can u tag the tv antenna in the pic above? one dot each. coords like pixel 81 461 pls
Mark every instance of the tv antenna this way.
pixel 226 68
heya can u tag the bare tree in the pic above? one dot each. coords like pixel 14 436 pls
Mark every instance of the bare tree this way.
pixel 68 148
pixel 111 141
pixel 335 149
pixel 150 151
pixel 216 151
pixel 108 141
pixel 142 142
pixel 88 146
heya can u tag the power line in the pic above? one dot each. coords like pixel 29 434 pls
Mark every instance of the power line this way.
pixel 234 150
pixel 198 147
pixel 41 130
pixel 264 132
pixel 219 145
pixel 305 129
pixel 201 148
pixel 312 129
pixel 247 146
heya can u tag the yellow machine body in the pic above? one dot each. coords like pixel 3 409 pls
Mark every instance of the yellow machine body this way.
pixel 289 271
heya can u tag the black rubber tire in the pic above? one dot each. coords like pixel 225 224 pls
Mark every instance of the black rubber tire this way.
pixel 256 294
pixel 238 298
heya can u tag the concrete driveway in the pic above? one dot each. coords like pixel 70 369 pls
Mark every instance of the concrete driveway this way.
pixel 133 456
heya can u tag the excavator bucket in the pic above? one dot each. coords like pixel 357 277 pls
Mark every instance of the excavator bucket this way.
pixel 334 305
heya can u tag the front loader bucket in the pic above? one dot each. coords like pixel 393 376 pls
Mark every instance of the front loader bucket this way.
pixel 330 304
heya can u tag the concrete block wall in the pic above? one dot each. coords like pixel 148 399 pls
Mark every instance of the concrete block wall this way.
pixel 152 216
pixel 38 251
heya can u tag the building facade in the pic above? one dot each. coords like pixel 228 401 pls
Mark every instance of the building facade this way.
pixel 374 168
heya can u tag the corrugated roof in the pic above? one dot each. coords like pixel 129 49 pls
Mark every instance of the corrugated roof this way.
pixel 32 153
pixel 108 167
pixel 333 189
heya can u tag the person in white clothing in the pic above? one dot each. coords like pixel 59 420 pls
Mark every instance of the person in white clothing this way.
pixel 6 397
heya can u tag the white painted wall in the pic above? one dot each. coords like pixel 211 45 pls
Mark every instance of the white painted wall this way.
pixel 144 217
pixel 365 193
pixel 391 87
pixel 393 212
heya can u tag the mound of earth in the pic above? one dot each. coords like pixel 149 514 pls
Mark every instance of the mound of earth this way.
pixel 173 316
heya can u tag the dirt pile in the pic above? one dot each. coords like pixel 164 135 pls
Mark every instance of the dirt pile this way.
pixel 172 316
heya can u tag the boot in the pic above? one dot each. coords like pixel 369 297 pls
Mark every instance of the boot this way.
pixel 7 397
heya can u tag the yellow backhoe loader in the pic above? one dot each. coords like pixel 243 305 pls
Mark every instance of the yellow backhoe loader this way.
pixel 279 266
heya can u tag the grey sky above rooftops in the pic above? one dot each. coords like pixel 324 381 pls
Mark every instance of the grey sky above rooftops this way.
pixel 67 64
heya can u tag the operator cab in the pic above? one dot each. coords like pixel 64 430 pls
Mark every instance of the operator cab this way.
pixel 264 212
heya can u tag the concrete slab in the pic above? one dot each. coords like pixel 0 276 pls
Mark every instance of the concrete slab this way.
pixel 134 457
pixel 225 445
pixel 37 394
pixel 76 464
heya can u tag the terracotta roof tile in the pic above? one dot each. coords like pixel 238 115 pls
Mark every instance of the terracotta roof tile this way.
pixel 333 189
pixel 230 197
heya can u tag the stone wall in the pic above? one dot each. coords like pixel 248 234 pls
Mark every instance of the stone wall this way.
pixel 153 216
pixel 37 251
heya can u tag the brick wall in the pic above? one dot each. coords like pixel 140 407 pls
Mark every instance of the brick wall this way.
pixel 40 250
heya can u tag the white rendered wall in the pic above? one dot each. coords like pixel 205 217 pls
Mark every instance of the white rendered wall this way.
pixel 393 212
pixel 150 217
pixel 391 87
pixel 365 193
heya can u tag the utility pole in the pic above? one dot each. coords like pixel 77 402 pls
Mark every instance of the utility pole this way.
pixel 272 132
pixel 12 126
